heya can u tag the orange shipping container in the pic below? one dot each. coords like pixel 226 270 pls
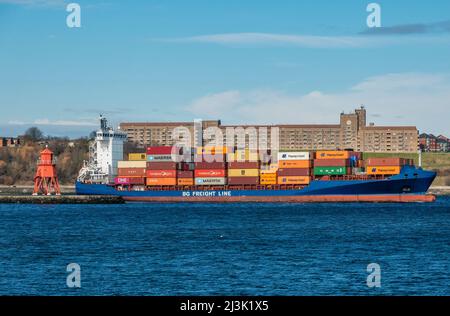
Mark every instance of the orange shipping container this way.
pixel 268 181
pixel 161 173
pixel 294 180
pixel 326 154
pixel 269 176
pixel 185 181
pixel 161 181
pixel 383 170
pixel 286 164
pixel 131 172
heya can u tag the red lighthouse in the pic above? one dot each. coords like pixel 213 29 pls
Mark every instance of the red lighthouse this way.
pixel 46 180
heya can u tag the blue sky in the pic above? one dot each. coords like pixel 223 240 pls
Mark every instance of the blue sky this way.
pixel 239 61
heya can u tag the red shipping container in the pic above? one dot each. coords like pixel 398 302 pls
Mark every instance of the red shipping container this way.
pixel 169 165
pixel 131 172
pixel 210 173
pixel 159 150
pixel 181 174
pixel 331 163
pixel 210 165
pixel 293 172
pixel 243 165
pixel 161 173
pixel 383 162
pixel 243 180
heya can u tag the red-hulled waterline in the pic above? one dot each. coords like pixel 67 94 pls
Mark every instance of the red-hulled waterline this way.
pixel 400 198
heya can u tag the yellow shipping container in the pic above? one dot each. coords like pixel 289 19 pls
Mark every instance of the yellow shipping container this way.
pixel 243 156
pixel 137 157
pixel 294 180
pixel 132 164
pixel 243 172
pixel 329 154
pixel 387 170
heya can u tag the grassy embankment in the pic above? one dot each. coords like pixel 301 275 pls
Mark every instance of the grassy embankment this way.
pixel 439 162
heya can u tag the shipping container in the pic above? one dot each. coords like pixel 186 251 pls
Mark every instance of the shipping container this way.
pixel 385 162
pixel 210 173
pixel 131 172
pixel 161 181
pixel 160 150
pixel 269 176
pixel 131 164
pixel 185 181
pixel 161 173
pixel 332 154
pixel 243 180
pixel 243 165
pixel 268 181
pixel 212 150
pixel 211 158
pixel 293 156
pixel 241 157
pixel 331 163
pixel 243 172
pixel 383 170
pixel 159 158
pixel 161 165
pixel 293 172
pixel 294 180
pixel 185 174
pixel 137 157
pixel 210 165
pixel 287 164
pixel 210 181
pixel 129 180
pixel 337 171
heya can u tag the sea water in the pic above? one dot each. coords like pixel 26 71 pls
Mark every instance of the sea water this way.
pixel 226 249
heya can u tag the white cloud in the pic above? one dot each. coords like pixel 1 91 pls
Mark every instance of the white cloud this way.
pixel 393 99
pixel 309 41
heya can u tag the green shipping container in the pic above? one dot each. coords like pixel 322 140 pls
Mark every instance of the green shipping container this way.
pixel 330 171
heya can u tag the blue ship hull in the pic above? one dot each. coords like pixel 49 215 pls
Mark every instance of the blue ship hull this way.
pixel 411 181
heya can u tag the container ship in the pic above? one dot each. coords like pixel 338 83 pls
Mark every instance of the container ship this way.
pixel 225 174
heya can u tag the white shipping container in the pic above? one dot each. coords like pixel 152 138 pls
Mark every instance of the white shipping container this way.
pixel 299 155
pixel 210 181
pixel 131 164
